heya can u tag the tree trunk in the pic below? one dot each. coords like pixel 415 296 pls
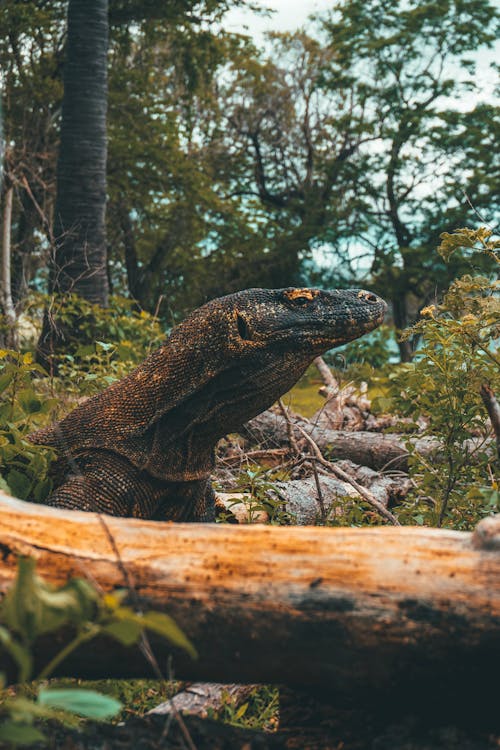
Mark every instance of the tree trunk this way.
pixel 79 264
pixel 5 278
pixel 373 614
pixel 400 314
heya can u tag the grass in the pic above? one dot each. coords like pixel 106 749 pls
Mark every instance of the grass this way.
pixel 304 398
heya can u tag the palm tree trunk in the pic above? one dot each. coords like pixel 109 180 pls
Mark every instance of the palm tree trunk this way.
pixel 79 261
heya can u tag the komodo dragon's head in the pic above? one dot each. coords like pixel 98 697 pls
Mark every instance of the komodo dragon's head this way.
pixel 298 320
pixel 228 361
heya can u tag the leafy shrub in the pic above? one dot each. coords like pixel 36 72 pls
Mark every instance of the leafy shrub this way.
pixel 80 323
pixel 32 608
pixel 24 467
pixel 458 354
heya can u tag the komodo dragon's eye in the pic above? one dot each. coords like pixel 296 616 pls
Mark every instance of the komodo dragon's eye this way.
pixel 301 297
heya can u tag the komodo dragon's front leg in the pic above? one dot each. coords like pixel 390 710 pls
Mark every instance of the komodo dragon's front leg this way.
pixel 144 447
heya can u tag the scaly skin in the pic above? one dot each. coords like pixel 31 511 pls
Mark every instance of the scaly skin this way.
pixel 144 447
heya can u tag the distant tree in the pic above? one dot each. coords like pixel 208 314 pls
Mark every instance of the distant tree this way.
pixel 352 143
pixel 413 60
pixel 298 138
pixel 177 229
pixel 31 54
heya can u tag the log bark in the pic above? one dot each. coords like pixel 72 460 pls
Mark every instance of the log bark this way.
pixel 373 614
pixel 200 698
pixel 370 449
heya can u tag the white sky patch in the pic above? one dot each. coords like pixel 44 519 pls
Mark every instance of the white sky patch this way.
pixel 289 15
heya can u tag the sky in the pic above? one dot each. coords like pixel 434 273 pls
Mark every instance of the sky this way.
pixel 289 15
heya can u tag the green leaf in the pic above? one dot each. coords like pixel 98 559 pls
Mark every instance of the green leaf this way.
pixel 5 379
pixel 29 401
pixel 159 623
pixel 87 703
pixel 164 625
pixel 241 711
pixel 127 632
pixel 19 734
pixel 21 656
pixel 19 484
pixel 32 607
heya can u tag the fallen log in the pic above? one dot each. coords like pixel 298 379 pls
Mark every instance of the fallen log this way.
pixel 371 614
pixel 372 449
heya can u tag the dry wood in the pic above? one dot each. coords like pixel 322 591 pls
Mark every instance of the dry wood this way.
pixel 298 498
pixel 345 477
pixel 372 449
pixel 201 697
pixel 326 374
pixel 366 614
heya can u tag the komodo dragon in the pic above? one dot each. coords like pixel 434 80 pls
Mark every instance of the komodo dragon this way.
pixel 145 446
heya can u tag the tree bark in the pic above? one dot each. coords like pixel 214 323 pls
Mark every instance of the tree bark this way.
pixel 80 260
pixel 79 253
pixel 79 264
pixel 6 286
pixel 373 614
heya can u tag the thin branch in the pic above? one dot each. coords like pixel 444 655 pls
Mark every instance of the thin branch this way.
pixel 365 494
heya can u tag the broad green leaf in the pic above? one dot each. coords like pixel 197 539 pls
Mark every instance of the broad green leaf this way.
pixel 29 401
pixel 5 379
pixel 159 623
pixel 19 484
pixel 32 607
pixel 87 703
pixel 164 625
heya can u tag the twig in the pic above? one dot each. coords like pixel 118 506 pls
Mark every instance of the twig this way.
pixel 289 428
pixel 326 374
pixel 321 501
pixel 366 494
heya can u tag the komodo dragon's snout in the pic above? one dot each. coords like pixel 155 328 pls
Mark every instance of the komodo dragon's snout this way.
pixel 144 447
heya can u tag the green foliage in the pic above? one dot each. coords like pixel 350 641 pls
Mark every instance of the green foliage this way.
pixel 259 711
pixel 131 332
pixel 374 349
pixel 24 468
pixel 458 354
pixel 260 496
pixel 86 703
pixel 32 608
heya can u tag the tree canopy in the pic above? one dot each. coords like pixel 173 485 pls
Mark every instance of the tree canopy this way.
pixel 334 155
